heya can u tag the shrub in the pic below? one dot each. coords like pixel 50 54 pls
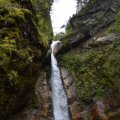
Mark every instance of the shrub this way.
pixel 95 72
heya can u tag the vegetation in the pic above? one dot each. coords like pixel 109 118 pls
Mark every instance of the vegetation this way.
pixel 43 19
pixel 95 72
pixel 59 36
pixel 21 47
pixel 116 26
pixel 68 29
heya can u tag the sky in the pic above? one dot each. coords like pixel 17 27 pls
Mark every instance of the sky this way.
pixel 61 12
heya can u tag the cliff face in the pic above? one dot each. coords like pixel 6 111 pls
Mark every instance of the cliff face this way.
pixel 95 16
pixel 92 59
pixel 23 45
pixel 89 67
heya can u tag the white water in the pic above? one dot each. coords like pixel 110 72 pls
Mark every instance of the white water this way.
pixel 59 98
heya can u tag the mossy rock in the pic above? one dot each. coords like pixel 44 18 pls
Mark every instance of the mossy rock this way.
pixel 20 58
pixel 95 72
pixel 3 10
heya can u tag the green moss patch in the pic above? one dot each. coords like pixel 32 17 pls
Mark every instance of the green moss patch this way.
pixel 43 20
pixel 18 68
pixel 96 72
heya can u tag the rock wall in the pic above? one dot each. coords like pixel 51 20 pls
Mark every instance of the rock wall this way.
pixel 22 50
pixel 89 69
pixel 73 105
pixel 39 107
pixel 91 57
pixel 91 19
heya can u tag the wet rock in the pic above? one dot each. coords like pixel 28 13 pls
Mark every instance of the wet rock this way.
pixel 67 78
pixel 75 111
pixel 71 94
pixel 57 47
pixel 73 40
pixel 42 92
pixel 64 73
pixel 98 111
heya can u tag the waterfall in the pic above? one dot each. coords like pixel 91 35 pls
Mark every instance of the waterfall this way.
pixel 59 98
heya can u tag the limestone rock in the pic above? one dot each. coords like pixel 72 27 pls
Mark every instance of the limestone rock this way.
pixel 71 94
pixel 94 16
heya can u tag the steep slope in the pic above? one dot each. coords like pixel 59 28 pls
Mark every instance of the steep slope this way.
pixel 23 45
pixel 92 58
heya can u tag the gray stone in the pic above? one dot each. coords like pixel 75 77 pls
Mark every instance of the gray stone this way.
pixel 64 73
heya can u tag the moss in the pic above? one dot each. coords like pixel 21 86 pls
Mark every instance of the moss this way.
pixel 34 101
pixel 68 29
pixel 18 14
pixel 116 26
pixel 95 72
pixel 22 43
pixel 3 10
pixel 5 3
pixel 17 59
pixel 43 20
pixel 12 17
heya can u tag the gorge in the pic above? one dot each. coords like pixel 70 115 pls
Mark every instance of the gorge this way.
pixel 84 69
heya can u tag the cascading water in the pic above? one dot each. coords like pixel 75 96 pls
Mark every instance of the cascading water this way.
pixel 59 98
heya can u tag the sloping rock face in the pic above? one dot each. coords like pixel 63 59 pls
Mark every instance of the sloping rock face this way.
pixel 91 19
pixel 92 59
pixel 96 15
pixel 92 84
pixel 70 88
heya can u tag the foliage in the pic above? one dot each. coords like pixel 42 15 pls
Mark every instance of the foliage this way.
pixel 95 72
pixel 20 52
pixel 34 101
pixel 5 3
pixel 17 57
pixel 68 29
pixel 59 36
pixel 43 20
pixel 116 27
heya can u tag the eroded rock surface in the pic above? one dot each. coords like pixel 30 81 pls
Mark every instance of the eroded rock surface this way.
pixel 40 107
pixel 96 15
pixel 107 109
pixel 74 107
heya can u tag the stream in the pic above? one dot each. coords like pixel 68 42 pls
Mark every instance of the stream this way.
pixel 59 98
